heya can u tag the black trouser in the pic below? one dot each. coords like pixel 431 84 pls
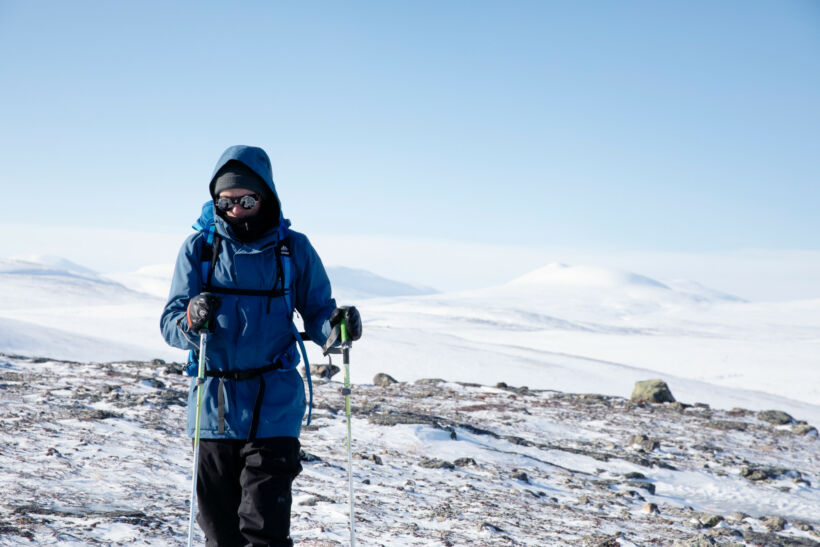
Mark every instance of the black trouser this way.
pixel 243 490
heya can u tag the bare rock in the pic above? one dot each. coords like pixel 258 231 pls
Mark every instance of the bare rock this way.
pixel 699 541
pixel 308 457
pixel 96 414
pixel 520 476
pixel 775 524
pixel 643 485
pixel 804 429
pixel 435 463
pixel 652 391
pixel 429 381
pixel 384 380
pixel 736 517
pixel 776 417
pixel 763 473
pixel 651 509
pixel 152 382
pixel 643 442
pixel 728 425
pixel 710 521
pixel 323 371
pixel 375 458
pixel 488 527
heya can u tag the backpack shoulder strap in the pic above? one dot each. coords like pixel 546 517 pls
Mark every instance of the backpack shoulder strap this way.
pixel 283 253
pixel 284 257
pixel 210 244
pixel 210 254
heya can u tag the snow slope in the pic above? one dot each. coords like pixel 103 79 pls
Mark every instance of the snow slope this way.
pixel 56 309
pixel 582 329
pixel 351 285
pixel 574 329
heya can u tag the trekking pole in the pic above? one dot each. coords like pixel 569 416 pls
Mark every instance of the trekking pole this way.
pixel 346 391
pixel 200 380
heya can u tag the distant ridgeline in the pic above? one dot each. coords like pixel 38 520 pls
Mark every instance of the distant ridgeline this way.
pixel 354 283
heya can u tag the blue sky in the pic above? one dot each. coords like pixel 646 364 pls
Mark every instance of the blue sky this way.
pixel 633 127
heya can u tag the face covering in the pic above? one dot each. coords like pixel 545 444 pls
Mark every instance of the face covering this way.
pixel 250 228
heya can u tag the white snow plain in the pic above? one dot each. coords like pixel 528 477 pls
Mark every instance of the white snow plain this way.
pixel 575 329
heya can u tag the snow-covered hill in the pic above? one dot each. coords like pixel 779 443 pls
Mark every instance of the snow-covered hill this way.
pixel 55 308
pixel 51 306
pixel 352 285
pixel 579 329
pixel 349 284
pixel 572 328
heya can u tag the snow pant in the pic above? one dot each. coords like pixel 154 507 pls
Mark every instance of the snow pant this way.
pixel 244 490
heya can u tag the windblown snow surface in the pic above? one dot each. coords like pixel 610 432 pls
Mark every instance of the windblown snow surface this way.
pixel 92 449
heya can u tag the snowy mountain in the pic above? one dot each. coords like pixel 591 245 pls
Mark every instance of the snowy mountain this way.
pixel 42 262
pixel 349 285
pixel 571 328
pixel 352 285
pixel 53 307
pixel 563 327
pixel 562 275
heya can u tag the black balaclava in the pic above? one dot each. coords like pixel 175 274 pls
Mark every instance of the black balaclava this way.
pixel 236 174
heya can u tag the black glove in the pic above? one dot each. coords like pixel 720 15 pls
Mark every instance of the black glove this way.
pixel 201 309
pixel 352 319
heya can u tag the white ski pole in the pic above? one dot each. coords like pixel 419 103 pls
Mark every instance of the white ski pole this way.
pixel 200 380
pixel 346 391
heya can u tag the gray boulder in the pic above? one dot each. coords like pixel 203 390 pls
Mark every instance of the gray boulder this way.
pixel 652 391
pixel 384 380
pixel 776 417
pixel 776 524
pixel 804 429
pixel 710 521
pixel 435 463
pixel 642 442
pixel 323 371
pixel 699 541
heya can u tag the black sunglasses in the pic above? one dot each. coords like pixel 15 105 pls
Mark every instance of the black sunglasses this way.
pixel 246 202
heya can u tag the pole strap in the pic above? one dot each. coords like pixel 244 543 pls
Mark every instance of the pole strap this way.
pixel 220 405
pixel 257 407
pixel 298 336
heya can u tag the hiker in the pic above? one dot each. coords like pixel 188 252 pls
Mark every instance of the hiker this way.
pixel 243 286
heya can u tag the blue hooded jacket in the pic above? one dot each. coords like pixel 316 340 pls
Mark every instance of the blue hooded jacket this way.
pixel 251 331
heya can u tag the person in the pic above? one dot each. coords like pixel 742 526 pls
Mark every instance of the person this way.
pixel 254 397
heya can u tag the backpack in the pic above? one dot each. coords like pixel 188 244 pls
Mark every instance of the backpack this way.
pixel 210 253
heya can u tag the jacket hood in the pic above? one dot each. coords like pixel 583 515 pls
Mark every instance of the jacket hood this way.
pixel 254 158
pixel 257 160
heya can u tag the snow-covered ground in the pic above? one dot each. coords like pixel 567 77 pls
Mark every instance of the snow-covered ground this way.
pixel 569 328
pixel 70 435
pixel 95 453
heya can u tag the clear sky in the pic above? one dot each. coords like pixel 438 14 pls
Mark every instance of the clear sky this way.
pixel 591 127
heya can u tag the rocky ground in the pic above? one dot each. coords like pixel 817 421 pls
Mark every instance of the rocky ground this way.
pixel 95 454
